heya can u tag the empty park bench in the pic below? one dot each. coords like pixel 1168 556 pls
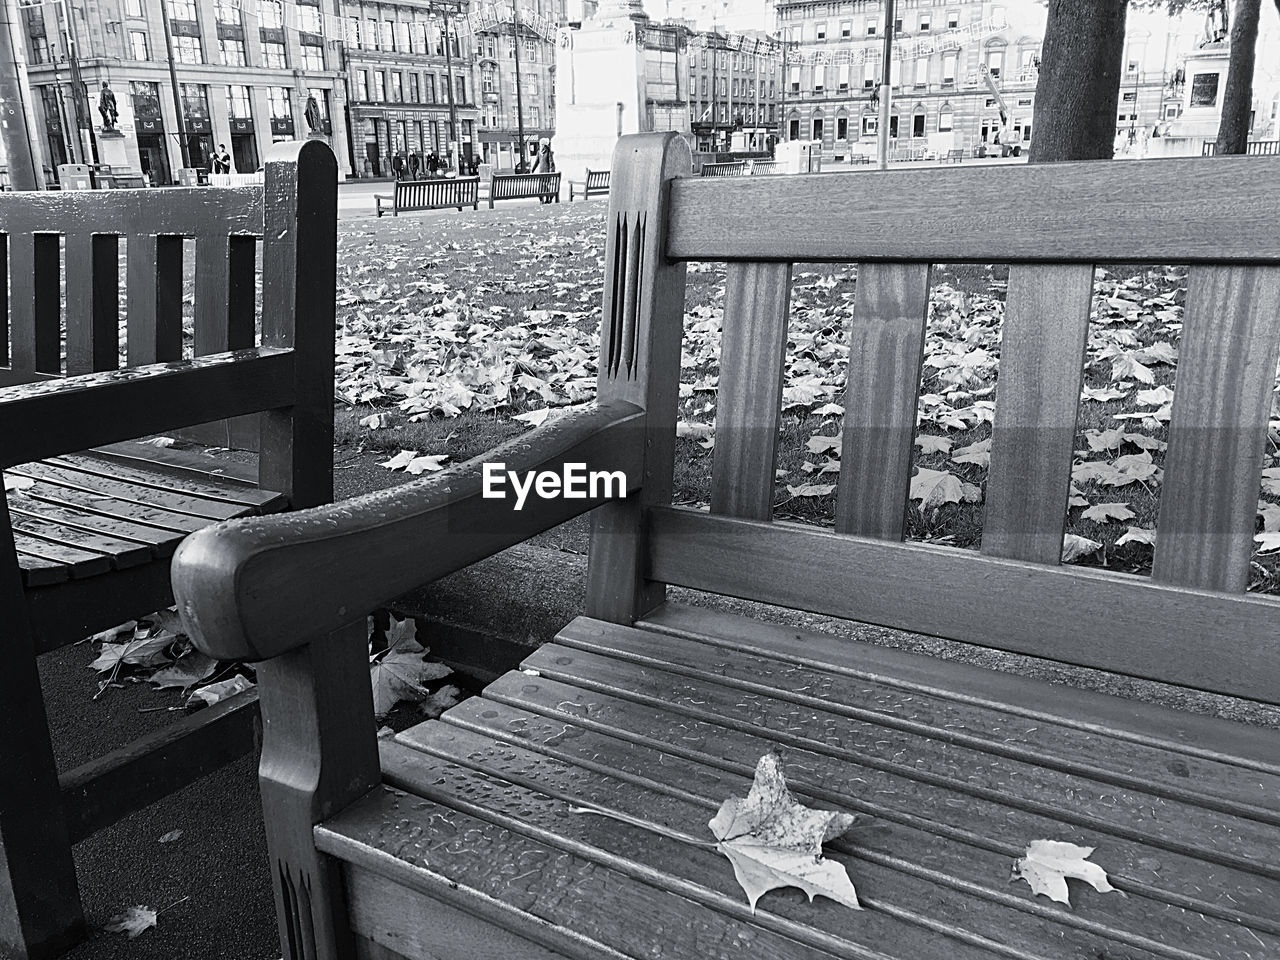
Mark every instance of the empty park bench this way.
pixel 596 184
pixel 524 186
pixel 736 168
pixel 412 196
pixel 761 168
pixel 92 518
pixel 461 832
pixel 954 155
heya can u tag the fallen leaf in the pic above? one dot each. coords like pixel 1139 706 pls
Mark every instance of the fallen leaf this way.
pixel 171 836
pixel 142 652
pixel 773 841
pixel 976 453
pixel 160 441
pixel 1108 512
pixel 931 444
pixel 400 460
pixel 426 464
pixel 1048 863
pixel 12 483
pixel 222 690
pixel 1074 547
pixel 534 418
pixel 1137 535
pixel 186 672
pixel 400 673
pixel 440 701
pixel 133 921
pixel 933 488
pixel 694 429
pixel 1267 542
pixel 812 490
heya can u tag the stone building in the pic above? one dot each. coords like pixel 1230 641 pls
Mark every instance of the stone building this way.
pixel 407 83
pixel 940 99
pixel 733 88
pixel 245 70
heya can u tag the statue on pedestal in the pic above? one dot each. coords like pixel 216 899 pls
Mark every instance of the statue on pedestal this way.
pixel 107 107
pixel 312 114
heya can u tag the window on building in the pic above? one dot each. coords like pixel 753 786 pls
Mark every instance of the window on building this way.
pixel 461 85
pixel 1131 67
pixel 870 124
pixel 953 19
pixel 922 72
pixel 795 79
pixel 724 113
pixel 818 128
pixel 535 116
pixel 946 119
pixel 271 14
pixel 182 10
pixel 917 124
pixel 819 78
pixel 232 52
pixel 893 126
pixel 429 87
pixel 414 94
pixel 842 128
pixel 187 50
pixel 995 63
pixel 308 19
pixel 195 100
pixel 387 35
pixel 404 41
pixel 530 50
pixel 312 57
pixel 362 85
pixel 138 45
pixel 846 29
pixel 895 71
pixel 1030 59
pixel 227 11
pixel 793 130
pixel 926 21
pixel 238 103
pixel 948 69
pixel 397 86
pixel 133 8
pixel 704 88
pixel 273 56
pixel 281 107
pixel 897 24
pixel 379 86
pixel 872 26
pixel 820 31
pixel 146 99
pixel 868 74
pixel 371 34
pixel 1130 96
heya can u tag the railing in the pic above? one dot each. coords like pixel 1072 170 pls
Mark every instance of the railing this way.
pixel 235 179
pixel 737 169
pixel 1255 148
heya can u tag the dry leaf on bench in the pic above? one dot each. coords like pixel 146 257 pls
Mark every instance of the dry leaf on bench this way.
pixel 217 692
pixel 772 841
pixel 400 673
pixel 1048 863
pixel 133 921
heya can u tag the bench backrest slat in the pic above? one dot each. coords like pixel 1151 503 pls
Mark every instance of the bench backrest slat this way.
pixel 93 307
pixel 1046 324
pixel 886 346
pixel 1217 435
pixel 753 348
pixel 1190 623
pixel 35 322
pixel 154 292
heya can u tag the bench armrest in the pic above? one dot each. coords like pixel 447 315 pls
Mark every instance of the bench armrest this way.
pixel 69 414
pixel 255 588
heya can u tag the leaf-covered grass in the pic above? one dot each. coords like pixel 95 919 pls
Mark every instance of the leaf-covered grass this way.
pixel 450 326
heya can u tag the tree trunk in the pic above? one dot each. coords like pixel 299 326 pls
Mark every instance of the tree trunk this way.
pixel 1237 99
pixel 1079 87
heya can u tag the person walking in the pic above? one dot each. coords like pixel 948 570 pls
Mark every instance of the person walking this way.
pixel 415 164
pixel 397 165
pixel 546 163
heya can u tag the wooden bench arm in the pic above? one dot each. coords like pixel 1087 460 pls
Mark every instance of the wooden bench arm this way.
pixel 68 414
pixel 256 588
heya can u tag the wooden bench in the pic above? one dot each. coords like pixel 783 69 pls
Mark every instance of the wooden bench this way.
pixel 413 196
pixel 762 168
pixel 735 168
pixel 524 186
pixel 88 534
pixel 954 155
pixel 456 837
pixel 596 184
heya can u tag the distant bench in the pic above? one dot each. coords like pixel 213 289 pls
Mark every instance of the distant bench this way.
pixel 734 169
pixel 597 182
pixel 524 186
pixel 413 195
pixel 955 155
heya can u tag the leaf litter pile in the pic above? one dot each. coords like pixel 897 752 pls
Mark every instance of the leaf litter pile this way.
pixel 775 842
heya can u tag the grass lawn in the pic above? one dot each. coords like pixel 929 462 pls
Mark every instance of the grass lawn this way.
pixel 452 325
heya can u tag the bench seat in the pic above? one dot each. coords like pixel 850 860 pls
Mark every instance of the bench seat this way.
pixel 950 769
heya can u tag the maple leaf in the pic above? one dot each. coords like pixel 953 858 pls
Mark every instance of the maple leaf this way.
pixel 534 418
pixel 185 672
pixel 1103 394
pixel 933 488
pixel 1074 547
pixel 399 673
pixel 400 460
pixel 1270 514
pixel 812 490
pixel 976 453
pixel 222 690
pixel 426 464
pixel 1271 481
pixel 1138 535
pixel 1048 864
pixel 135 920
pixel 931 444
pixel 1108 512
pixel 1267 542
pixel 773 841
pixel 1127 365
pixel 146 650
pixel 821 443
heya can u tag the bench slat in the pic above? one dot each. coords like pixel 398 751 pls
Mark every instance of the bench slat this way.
pixel 122 553
pixel 1073 615
pixel 886 347
pixel 93 303
pixel 35 283
pixel 190 483
pixel 893 864
pixel 1217 436
pixel 50 489
pixel 78 563
pixel 154 280
pixel 753 347
pixel 1046 324
pixel 176 499
pixel 160 542
pixel 172 210
pixel 212 332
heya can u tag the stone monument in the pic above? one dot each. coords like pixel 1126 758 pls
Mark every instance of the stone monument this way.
pixel 600 87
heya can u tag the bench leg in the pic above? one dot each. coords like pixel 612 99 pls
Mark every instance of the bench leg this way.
pixel 40 913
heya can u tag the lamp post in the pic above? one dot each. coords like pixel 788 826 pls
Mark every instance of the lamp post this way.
pixel 173 82
pixel 16 135
pixel 445 12
pixel 515 47
pixel 886 85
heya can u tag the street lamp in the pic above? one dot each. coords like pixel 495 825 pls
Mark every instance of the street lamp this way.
pixel 444 11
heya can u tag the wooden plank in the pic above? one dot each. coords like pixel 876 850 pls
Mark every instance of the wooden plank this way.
pixel 39 572
pixel 154 286
pixel 1110 621
pixel 599 902
pixel 1176 825
pixel 53 417
pixel 188 482
pixel 528 795
pixel 223 469
pixel 61 488
pixel 200 511
pixel 888 854
pixel 212 302
pixel 753 348
pixel 1148 768
pixel 640 360
pixel 120 553
pixel 161 543
pixel 35 287
pixel 1082 212
pixel 380 534
pixel 4 300
pixel 79 563
pixel 177 210
pixel 1149 724
pixel 108 788
pixel 886 346
pixel 1222 402
pixel 1046 325
pixel 93 307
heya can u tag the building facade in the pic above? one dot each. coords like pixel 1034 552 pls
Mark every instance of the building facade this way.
pixel 734 82
pixel 518 40
pixel 944 51
pixel 410 74
pixel 245 71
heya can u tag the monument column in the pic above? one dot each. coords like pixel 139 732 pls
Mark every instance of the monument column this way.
pixel 600 87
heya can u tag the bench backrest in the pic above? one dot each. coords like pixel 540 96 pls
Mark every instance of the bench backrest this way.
pixel 509 186
pixel 428 194
pixel 76 235
pixel 730 169
pixel 1190 623
pixel 597 179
